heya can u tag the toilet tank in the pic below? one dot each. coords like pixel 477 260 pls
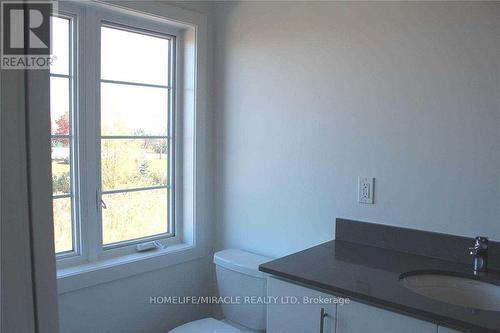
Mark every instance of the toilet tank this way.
pixel 238 276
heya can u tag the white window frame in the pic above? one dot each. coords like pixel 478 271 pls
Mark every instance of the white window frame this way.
pixel 114 20
pixel 95 263
pixel 167 238
pixel 90 245
pixel 74 135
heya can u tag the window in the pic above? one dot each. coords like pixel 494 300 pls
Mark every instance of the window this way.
pixel 113 132
pixel 135 135
pixel 62 137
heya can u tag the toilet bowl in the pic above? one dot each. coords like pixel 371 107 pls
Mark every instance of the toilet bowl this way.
pixel 212 325
pixel 240 281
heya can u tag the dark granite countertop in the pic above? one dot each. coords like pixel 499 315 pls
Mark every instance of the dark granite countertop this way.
pixel 371 275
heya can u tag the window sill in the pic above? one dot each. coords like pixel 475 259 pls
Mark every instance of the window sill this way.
pixel 90 274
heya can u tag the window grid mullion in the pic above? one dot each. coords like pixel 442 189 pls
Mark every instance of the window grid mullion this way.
pixel 61 196
pixel 136 189
pixel 62 76
pixel 132 137
pixel 139 84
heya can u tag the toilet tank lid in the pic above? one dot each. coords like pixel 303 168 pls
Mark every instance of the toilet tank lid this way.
pixel 241 261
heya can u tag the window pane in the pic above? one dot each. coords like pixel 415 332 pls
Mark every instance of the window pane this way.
pixel 133 110
pixel 63 233
pixel 133 163
pixel 133 57
pixel 59 105
pixel 61 167
pixel 133 215
pixel 60 45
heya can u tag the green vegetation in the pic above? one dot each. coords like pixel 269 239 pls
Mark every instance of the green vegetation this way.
pixel 134 214
pixel 62 224
pixel 125 164
pixel 61 183
pixel 131 164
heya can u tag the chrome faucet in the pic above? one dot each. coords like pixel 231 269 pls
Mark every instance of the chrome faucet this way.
pixel 480 254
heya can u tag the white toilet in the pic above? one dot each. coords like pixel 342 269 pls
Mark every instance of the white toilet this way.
pixel 238 277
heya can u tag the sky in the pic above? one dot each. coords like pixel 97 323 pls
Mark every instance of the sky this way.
pixel 125 56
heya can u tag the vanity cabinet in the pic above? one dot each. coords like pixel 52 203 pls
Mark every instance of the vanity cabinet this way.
pixel 288 313
pixel 290 310
pixel 361 318
pixel 442 329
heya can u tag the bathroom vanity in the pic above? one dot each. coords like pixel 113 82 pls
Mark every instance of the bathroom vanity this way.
pixel 355 284
pixel 354 317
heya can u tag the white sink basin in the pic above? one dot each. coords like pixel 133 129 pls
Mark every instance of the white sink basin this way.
pixel 455 290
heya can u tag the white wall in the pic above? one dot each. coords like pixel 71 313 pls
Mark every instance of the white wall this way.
pixel 311 96
pixel 123 306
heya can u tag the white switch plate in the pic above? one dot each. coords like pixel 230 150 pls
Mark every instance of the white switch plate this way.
pixel 365 190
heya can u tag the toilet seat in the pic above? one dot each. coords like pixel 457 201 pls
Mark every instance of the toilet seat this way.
pixel 207 325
